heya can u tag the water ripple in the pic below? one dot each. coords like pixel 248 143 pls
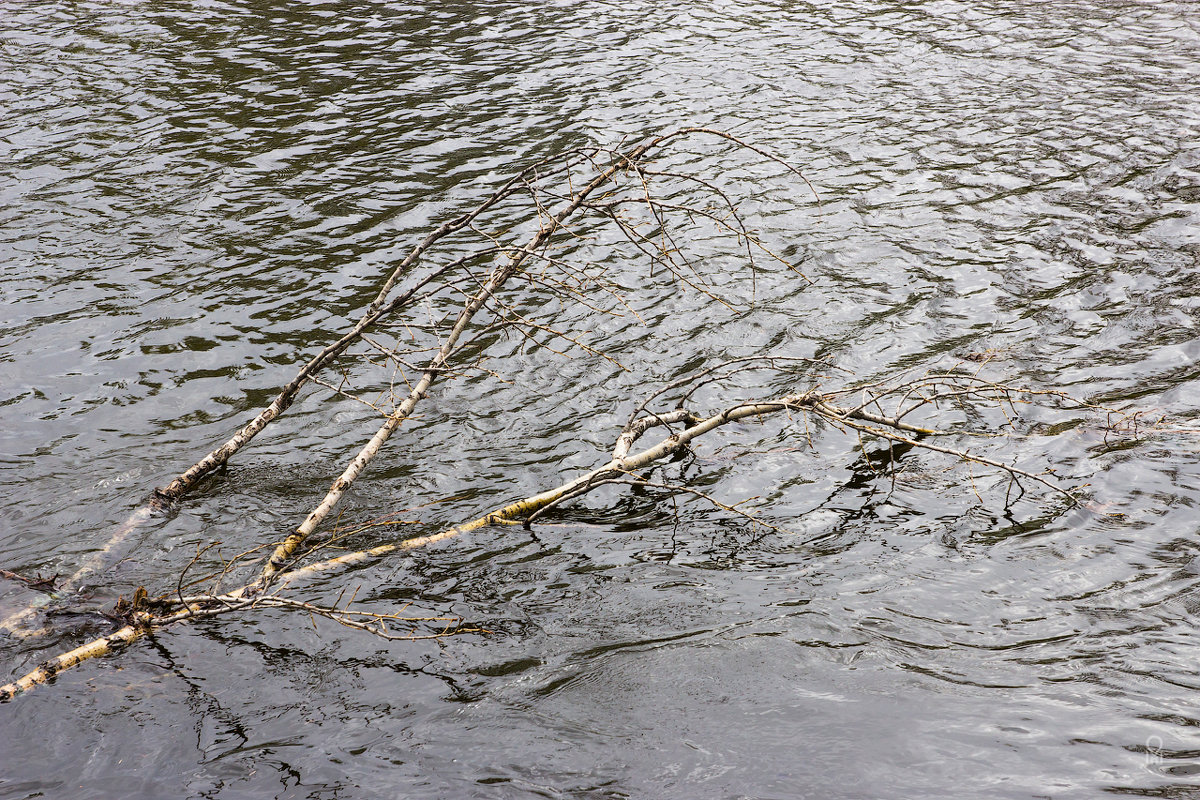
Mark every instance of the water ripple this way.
pixel 194 197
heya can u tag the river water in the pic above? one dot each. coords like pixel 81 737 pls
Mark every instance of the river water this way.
pixel 196 196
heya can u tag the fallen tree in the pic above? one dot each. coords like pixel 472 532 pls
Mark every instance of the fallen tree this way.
pixel 643 201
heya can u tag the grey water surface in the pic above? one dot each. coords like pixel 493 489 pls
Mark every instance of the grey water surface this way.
pixel 194 197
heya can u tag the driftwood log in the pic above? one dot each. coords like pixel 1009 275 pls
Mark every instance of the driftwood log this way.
pixel 618 187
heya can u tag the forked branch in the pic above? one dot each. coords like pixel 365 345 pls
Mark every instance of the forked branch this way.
pixel 443 339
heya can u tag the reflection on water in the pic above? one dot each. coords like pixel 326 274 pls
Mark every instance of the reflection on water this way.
pixel 194 197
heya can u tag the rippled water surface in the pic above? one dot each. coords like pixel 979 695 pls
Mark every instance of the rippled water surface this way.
pixel 196 197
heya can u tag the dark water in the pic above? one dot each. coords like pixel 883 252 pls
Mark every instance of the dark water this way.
pixel 196 196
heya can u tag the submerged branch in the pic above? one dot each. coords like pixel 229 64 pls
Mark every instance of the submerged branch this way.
pixel 620 469
pixel 451 342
